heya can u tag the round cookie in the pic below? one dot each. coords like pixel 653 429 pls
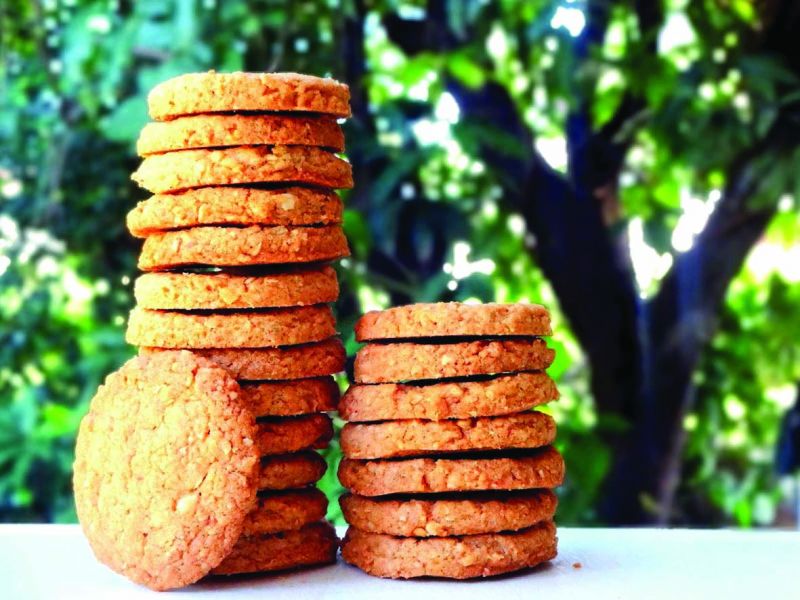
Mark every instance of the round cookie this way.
pixel 165 469
pixel 268 328
pixel 463 557
pixel 295 470
pixel 501 395
pixel 289 398
pixel 392 363
pixel 453 319
pixel 266 364
pixel 462 514
pixel 536 469
pixel 219 131
pixel 314 544
pixel 290 434
pixel 184 169
pixel 414 437
pixel 234 206
pixel 235 246
pixel 195 93
pixel 284 511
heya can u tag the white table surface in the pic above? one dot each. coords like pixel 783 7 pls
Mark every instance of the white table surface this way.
pixel 54 561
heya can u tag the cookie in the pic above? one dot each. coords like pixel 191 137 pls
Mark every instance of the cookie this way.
pixel 290 434
pixel 501 395
pixel 196 93
pixel 392 363
pixel 289 398
pixel 250 329
pixel 463 557
pixel 234 206
pixel 220 131
pixel 526 470
pixel 453 319
pixel 185 169
pixel 235 246
pixel 284 511
pixel 417 437
pixel 286 471
pixel 314 544
pixel 165 469
pixel 462 514
pixel 292 362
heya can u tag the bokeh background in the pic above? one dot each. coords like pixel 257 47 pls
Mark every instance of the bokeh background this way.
pixel 633 165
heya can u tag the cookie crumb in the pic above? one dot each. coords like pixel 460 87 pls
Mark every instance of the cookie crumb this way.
pixel 577 565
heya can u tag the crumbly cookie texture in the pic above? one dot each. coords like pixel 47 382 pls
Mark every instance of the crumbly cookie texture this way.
pixel 285 511
pixel 314 544
pixel 446 319
pixel 165 469
pixel 234 246
pixel 287 471
pixel 266 364
pixel 291 434
pixel 462 557
pixel 394 363
pixel 262 329
pixel 289 398
pixel 463 514
pixel 185 169
pixel 501 395
pixel 219 131
pixel 536 469
pixel 210 92
pixel 221 205
pixel 418 437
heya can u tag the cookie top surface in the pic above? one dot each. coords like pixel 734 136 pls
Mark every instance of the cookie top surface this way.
pixel 165 469
pixel 453 319
pixel 211 92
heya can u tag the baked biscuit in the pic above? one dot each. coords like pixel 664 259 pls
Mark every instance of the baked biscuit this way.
pixel 290 434
pixel 286 471
pixel 289 398
pixel 284 511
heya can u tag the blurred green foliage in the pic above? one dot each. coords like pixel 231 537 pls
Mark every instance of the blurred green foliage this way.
pixel 74 78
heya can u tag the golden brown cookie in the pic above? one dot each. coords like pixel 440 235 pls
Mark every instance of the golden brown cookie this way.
pixel 266 364
pixel 235 206
pixel 219 131
pixel 314 544
pixel 165 469
pixel 501 395
pixel 453 319
pixel 249 329
pixel 416 437
pixel 532 469
pixel 289 434
pixel 195 93
pixel 242 246
pixel 391 363
pixel 289 398
pixel 457 514
pixel 284 511
pixel 185 169
pixel 295 470
pixel 462 557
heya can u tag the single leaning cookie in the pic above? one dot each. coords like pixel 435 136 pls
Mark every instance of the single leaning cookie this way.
pixel 234 206
pixel 165 469
pixel 184 169
pixel 219 131
pixel 289 398
pixel 453 319
pixel 284 511
pixel 287 471
pixel 291 434
pixel 211 92
pixel 417 437
pixel 501 395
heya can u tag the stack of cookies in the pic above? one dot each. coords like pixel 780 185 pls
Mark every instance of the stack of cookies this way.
pixel 450 473
pixel 237 239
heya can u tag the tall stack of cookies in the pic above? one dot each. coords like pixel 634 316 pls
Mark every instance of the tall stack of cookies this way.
pixel 237 239
pixel 450 473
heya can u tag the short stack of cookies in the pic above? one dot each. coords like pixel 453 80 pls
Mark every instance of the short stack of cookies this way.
pixel 237 239
pixel 449 471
